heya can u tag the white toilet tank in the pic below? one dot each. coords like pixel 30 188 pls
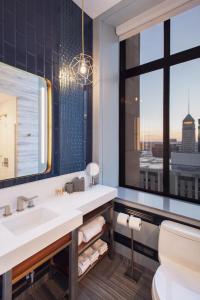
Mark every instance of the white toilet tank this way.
pixel 179 244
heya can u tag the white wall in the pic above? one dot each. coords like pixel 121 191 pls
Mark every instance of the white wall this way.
pixel 105 102
pixel 106 126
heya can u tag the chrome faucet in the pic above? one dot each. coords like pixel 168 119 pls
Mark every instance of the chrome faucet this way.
pixel 21 200
pixel 7 210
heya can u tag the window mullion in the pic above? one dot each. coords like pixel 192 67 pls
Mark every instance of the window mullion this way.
pixel 166 110
pixel 122 113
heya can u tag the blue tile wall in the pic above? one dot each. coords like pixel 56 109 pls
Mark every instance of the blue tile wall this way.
pixel 32 33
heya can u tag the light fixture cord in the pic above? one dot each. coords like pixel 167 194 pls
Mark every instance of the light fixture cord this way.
pixel 83 46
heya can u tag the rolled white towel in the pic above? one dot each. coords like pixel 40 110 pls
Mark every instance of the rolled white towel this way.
pixel 83 260
pixel 100 246
pixel 92 254
pixel 101 220
pixel 80 237
pixel 83 264
pixel 90 230
pixel 103 250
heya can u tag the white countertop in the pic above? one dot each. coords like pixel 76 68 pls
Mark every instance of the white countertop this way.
pixel 159 203
pixel 69 210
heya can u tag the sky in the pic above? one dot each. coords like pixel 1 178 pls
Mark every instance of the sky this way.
pixel 184 78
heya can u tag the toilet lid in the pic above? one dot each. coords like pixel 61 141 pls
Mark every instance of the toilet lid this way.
pixel 176 282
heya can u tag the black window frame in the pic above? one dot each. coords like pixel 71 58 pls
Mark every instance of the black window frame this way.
pixel 163 63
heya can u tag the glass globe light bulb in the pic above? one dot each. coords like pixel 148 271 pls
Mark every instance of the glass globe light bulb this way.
pixel 83 68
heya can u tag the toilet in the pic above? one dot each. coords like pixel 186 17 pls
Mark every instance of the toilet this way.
pixel 178 276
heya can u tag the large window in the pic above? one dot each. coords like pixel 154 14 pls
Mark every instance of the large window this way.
pixel 160 108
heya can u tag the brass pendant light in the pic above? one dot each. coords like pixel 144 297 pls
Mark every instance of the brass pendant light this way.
pixel 82 65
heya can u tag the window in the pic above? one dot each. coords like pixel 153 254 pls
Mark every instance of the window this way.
pixel 160 108
pixel 185 30
pixel 151 39
pixel 184 135
pixel 144 128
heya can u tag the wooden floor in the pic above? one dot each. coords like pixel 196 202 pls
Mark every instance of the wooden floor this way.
pixel 105 282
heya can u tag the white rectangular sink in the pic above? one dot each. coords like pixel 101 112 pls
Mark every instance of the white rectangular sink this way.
pixel 26 222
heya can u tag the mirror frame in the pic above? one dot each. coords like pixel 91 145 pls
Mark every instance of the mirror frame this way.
pixel 49 128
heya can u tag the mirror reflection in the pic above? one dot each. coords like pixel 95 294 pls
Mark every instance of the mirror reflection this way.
pixel 24 123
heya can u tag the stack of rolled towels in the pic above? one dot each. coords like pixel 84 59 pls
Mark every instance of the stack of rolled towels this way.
pixel 83 264
pixel 88 231
pixel 91 255
pixel 100 246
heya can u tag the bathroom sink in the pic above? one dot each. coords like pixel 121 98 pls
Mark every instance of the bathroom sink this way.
pixel 25 222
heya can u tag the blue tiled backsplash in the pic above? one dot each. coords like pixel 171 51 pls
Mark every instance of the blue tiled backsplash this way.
pixel 32 34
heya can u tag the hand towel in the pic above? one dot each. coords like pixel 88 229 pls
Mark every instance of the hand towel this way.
pixel 101 220
pixel 100 246
pixel 90 230
pixel 83 264
pixel 80 237
pixel 92 254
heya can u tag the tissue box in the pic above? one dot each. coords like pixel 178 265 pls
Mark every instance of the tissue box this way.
pixel 79 184
pixel 69 187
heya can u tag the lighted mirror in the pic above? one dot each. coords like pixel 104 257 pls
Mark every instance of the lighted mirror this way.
pixel 25 123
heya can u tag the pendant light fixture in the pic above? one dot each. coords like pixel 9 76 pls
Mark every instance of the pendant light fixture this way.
pixel 81 65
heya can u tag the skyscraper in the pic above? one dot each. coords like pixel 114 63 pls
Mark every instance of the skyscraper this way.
pixel 188 134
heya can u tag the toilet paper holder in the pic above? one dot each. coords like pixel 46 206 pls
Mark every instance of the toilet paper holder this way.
pixel 132 272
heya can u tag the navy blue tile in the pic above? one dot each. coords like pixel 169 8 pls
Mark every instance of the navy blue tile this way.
pixel 9 54
pixel 33 32
pixel 31 39
pixel 21 66
pixel 31 12
pixel 40 34
pixel 9 5
pixel 1 10
pixel 9 27
pixel 20 48
pixel 48 71
pixel 40 59
pixel 20 17
pixel 48 54
pixel 41 74
pixel 1 40
pixel 22 2
pixel 31 63
pixel 40 7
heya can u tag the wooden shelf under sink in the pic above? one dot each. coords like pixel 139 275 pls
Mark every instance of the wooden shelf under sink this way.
pixel 39 258
pixel 59 261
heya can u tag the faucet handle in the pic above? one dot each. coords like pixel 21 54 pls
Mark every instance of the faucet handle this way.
pixel 21 200
pixel 7 210
pixel 31 202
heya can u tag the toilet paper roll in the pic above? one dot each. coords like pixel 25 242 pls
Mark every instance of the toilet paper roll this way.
pixel 122 219
pixel 134 223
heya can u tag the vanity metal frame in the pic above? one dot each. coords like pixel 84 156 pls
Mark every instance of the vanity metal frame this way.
pixel 73 266
pixel 7 286
pixel 75 250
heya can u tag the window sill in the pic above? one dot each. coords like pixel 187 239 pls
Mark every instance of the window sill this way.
pixel 169 207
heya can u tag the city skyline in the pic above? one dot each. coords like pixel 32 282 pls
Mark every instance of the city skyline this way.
pixel 184 78
pixel 157 137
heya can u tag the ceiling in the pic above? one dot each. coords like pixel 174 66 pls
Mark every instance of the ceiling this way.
pixel 94 8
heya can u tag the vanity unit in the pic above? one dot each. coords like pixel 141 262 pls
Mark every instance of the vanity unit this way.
pixel 33 236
